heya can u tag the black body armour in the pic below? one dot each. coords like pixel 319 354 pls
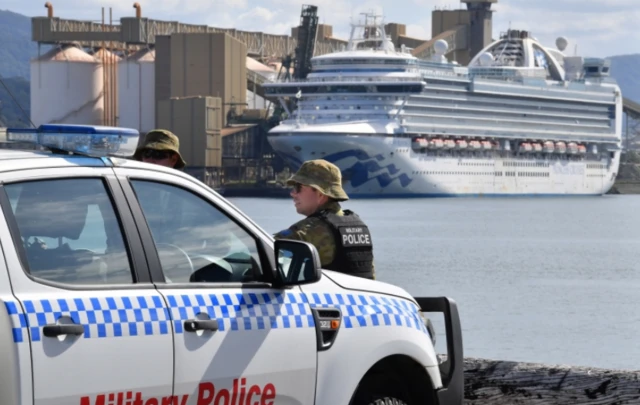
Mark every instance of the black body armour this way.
pixel 354 248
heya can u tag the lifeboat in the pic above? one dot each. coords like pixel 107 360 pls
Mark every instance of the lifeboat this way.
pixel 419 143
pixel 461 144
pixel 486 145
pixel 436 143
pixel 572 147
pixel 549 147
pixel 594 149
pixel 449 143
pixel 582 149
pixel 525 147
pixel 561 147
pixel 536 147
pixel 475 145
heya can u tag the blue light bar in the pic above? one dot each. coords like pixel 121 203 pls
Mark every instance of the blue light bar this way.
pixel 92 140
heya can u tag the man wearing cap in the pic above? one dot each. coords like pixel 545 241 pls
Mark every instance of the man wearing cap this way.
pixel 161 147
pixel 343 241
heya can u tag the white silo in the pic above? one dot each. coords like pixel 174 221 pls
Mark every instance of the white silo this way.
pixel 66 87
pixel 109 63
pixel 136 91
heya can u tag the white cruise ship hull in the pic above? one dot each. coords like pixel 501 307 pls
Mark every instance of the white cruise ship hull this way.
pixel 386 166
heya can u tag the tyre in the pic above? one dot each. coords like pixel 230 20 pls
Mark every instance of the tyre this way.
pixel 387 401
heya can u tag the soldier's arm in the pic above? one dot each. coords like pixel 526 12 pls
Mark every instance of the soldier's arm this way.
pixel 314 231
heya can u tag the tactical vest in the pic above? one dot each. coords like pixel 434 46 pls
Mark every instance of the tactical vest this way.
pixel 354 248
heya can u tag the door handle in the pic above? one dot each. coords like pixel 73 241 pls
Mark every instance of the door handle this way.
pixel 192 325
pixel 57 330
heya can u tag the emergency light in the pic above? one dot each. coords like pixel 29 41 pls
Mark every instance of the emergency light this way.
pixel 90 140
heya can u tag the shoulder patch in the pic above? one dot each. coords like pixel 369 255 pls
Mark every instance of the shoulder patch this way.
pixel 285 232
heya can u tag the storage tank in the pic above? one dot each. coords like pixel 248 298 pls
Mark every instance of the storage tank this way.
pixel 136 91
pixel 66 87
pixel 109 63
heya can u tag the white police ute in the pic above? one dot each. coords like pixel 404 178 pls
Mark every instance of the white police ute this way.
pixel 126 283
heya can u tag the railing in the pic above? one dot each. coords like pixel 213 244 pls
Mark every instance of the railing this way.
pixel 356 79
pixel 142 31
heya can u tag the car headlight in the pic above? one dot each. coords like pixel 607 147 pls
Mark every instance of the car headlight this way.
pixel 430 328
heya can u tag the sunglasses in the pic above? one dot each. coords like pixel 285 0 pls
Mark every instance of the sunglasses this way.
pixel 297 187
pixel 155 154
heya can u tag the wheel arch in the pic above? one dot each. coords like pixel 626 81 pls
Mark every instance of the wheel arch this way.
pixel 398 375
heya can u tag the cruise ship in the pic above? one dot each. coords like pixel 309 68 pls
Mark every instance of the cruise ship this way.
pixel 519 119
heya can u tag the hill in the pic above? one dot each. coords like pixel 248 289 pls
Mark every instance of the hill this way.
pixel 16 47
pixel 625 69
pixel 10 113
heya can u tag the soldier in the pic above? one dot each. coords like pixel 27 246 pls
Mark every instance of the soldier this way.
pixel 343 241
pixel 161 147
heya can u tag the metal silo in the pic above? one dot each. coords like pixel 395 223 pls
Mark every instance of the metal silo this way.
pixel 109 68
pixel 136 90
pixel 66 87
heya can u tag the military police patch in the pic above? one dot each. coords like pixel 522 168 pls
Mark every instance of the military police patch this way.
pixel 355 236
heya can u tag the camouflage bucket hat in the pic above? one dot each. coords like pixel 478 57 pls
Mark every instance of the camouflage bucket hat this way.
pixel 323 176
pixel 161 139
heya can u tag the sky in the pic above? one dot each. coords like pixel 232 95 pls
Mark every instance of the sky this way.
pixel 596 28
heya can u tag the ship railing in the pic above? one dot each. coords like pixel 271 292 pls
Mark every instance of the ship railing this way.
pixel 507 73
pixel 351 79
pixel 341 118
pixel 486 72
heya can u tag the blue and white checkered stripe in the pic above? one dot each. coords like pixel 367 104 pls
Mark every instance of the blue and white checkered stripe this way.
pixel 147 315
pixel 369 310
pixel 102 317
pixel 246 311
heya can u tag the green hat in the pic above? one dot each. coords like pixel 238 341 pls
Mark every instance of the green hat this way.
pixel 323 176
pixel 161 139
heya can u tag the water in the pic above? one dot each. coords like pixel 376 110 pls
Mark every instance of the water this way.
pixel 550 280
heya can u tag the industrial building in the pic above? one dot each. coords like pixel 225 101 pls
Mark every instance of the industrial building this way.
pixel 203 83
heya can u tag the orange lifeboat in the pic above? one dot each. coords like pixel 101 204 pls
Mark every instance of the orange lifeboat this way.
pixel 486 145
pixel 561 147
pixel 436 143
pixel 525 147
pixel 572 147
pixel 475 145
pixel 449 143
pixel 549 147
pixel 461 144
pixel 419 143
pixel 536 147
pixel 582 149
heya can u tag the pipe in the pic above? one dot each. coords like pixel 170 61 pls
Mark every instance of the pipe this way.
pixel 104 79
pixel 49 8
pixel 138 10
pixel 111 72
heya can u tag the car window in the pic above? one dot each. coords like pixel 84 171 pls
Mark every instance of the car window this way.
pixel 196 242
pixel 70 231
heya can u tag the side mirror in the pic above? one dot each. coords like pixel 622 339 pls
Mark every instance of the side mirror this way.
pixel 297 262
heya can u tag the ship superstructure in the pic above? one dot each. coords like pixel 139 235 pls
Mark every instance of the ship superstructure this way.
pixel 521 118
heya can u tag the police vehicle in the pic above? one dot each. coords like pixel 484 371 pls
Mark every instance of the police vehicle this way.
pixel 125 283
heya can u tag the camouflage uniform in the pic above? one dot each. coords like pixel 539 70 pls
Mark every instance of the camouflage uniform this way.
pixel 161 139
pixel 326 178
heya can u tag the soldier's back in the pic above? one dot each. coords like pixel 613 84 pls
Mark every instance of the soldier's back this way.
pixel 315 231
